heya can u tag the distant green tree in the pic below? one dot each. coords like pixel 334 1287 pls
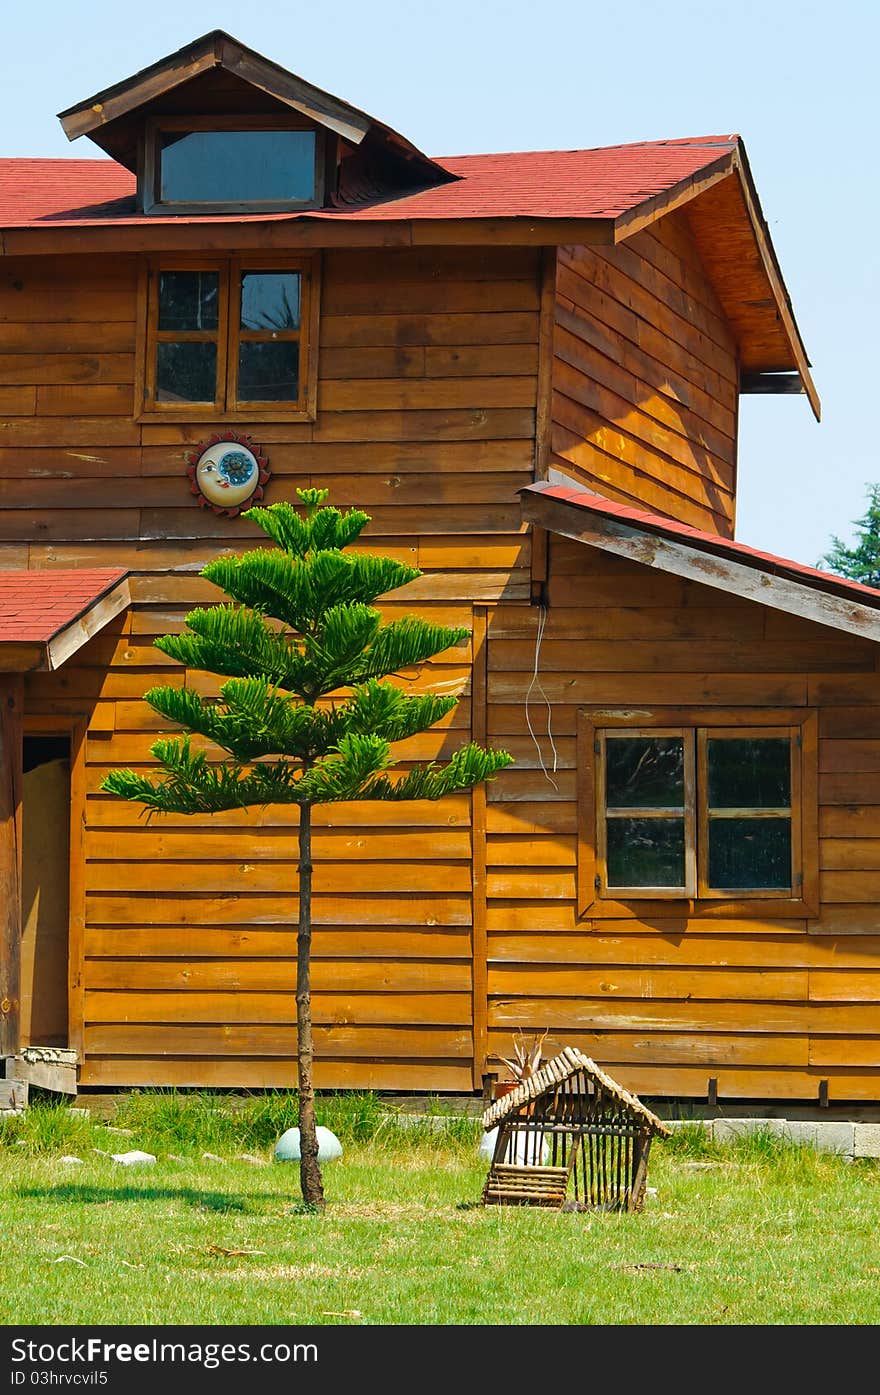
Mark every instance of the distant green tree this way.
pixel 862 562
pixel 306 713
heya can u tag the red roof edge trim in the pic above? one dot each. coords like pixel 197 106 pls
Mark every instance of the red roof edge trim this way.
pixel 708 542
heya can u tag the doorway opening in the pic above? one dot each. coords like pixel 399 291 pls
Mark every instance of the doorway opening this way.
pixel 45 890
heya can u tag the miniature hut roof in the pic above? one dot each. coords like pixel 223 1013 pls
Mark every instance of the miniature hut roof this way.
pixel 568 1063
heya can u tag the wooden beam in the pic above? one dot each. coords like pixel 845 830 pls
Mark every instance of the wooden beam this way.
pixel 11 706
pixel 298 233
pixel 479 932
pixel 214 50
pixel 774 276
pixel 74 636
pixel 644 214
pixel 652 550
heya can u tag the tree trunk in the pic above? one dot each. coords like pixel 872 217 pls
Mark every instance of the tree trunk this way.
pixel 309 1170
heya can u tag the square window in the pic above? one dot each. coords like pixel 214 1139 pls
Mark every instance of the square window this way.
pixel 709 816
pixel 236 335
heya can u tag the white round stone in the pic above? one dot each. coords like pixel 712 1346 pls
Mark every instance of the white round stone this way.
pixel 287 1147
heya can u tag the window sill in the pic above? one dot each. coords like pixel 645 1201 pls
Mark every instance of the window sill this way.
pixel 683 908
pixel 210 419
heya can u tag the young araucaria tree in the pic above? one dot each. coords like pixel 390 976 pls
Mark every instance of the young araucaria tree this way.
pixel 307 713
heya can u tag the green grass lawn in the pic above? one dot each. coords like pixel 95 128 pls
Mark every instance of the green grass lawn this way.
pixel 756 1232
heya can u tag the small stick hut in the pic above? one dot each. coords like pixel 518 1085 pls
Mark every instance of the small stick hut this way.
pixel 586 1125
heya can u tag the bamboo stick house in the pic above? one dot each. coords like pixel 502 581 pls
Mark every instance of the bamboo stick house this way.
pixel 569 1126
pixel 527 369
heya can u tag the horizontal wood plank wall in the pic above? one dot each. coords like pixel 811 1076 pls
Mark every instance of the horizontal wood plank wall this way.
pixel 645 378
pixel 769 1008
pixel 426 418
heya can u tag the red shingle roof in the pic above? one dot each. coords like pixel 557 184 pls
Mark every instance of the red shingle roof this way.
pixel 37 605
pixel 708 542
pixel 601 183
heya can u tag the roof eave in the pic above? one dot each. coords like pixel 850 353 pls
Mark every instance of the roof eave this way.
pixel 48 654
pixel 734 162
pixel 652 548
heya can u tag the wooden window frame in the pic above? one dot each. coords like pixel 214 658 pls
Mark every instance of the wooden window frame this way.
pixel 150 167
pixel 597 902
pixel 227 406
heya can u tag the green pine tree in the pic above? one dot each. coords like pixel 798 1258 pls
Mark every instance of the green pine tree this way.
pixel 862 562
pixel 306 714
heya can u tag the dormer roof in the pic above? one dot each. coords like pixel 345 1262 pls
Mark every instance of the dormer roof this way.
pixel 219 67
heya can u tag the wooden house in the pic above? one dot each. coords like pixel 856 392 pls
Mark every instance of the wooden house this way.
pixel 526 368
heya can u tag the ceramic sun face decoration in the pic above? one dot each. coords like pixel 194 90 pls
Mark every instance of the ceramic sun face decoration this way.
pixel 227 473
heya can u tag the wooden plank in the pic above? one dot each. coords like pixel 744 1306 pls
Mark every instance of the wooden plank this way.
pixel 654 689
pixel 257 1074
pixel 195 1006
pixel 425 394
pixel 201 845
pixel 692 984
pixel 11 712
pixel 523 851
pixel 767 950
pixel 37 337
pixel 243 975
pixel 18 401
pixel 254 1039
pixel 107 811
pixel 258 876
pixel 212 942
pixel 653 1015
pixel 234 908
pixel 685 1048
pixel 429 297
pixel 406 329
pixel 54 369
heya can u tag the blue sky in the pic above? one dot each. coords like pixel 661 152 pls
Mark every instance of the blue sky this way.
pixel 798 82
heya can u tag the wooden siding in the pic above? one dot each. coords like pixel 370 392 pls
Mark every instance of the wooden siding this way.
pixel 767 1006
pixel 645 378
pixel 426 418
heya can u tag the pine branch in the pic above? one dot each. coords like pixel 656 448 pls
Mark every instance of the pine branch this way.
pixel 468 767
pixel 318 531
pixel 239 643
pixel 300 591
pixel 404 643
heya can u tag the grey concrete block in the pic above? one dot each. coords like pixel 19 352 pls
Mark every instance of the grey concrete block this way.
pixel 866 1140
pixel 835 1137
pixel 805 1133
pixel 727 1130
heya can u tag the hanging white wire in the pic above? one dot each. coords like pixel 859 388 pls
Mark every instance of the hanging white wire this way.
pixel 536 683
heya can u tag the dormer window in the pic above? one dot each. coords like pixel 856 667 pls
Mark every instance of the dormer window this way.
pixel 214 164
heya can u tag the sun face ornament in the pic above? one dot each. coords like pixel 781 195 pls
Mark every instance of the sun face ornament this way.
pixel 227 473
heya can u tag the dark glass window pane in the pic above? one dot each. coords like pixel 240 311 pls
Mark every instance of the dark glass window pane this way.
pixel 644 772
pixel 746 854
pixel 237 166
pixel 752 773
pixel 645 852
pixel 270 300
pixel 268 371
pixel 188 299
pixel 186 372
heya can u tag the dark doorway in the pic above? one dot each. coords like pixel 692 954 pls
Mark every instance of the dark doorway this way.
pixel 45 890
